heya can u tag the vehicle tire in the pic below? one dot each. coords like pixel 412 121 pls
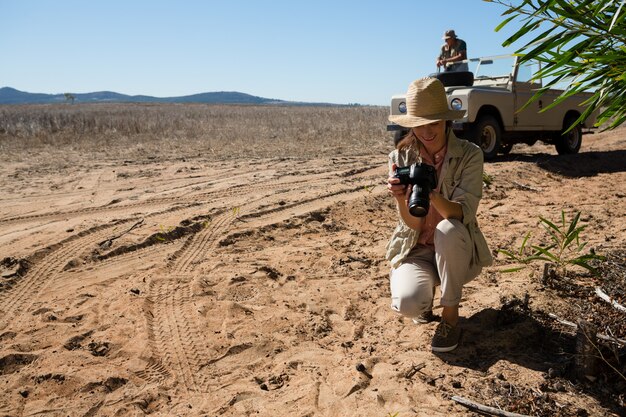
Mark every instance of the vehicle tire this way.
pixel 398 135
pixel 569 143
pixel 486 133
pixel 455 78
pixel 505 149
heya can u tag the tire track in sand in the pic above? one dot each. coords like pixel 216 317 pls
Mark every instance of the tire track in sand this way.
pixel 269 184
pixel 176 339
pixel 172 334
pixel 25 292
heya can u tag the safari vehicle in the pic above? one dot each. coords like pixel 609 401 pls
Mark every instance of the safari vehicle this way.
pixel 493 95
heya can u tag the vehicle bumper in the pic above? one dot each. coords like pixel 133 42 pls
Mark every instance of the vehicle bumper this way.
pixel 458 126
pixel 393 127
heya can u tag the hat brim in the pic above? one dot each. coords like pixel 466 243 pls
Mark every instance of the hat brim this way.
pixel 406 120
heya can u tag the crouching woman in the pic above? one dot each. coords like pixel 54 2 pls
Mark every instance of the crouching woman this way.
pixel 445 247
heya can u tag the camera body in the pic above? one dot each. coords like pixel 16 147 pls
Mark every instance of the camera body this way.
pixel 423 177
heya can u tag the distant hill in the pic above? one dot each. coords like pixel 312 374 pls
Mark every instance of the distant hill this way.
pixel 10 95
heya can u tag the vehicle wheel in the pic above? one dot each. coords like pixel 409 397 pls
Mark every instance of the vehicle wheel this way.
pixel 506 148
pixel 486 134
pixel 569 142
pixel 398 135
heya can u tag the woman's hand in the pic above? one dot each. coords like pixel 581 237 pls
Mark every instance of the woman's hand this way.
pixel 448 209
pixel 402 193
pixel 399 191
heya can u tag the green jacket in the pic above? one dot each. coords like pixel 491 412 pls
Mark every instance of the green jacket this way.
pixel 461 181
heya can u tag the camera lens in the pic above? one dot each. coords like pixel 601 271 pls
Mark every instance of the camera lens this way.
pixel 419 201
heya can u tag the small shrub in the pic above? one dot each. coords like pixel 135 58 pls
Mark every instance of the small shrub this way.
pixel 565 249
pixel 487 179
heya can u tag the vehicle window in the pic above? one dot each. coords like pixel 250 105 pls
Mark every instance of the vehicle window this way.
pixel 526 71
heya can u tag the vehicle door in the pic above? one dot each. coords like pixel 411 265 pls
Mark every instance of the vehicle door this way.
pixel 525 87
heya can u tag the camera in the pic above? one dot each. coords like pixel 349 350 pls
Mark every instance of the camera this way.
pixel 423 177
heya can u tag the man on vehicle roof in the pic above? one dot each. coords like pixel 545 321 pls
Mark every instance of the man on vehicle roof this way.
pixel 453 52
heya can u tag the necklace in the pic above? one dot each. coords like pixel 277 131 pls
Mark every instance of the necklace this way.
pixel 432 154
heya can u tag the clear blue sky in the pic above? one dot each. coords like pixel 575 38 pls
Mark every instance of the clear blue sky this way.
pixel 317 51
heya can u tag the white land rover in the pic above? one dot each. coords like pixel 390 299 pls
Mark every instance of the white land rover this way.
pixel 492 96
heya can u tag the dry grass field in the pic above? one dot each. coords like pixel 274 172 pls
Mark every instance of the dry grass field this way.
pixel 205 260
pixel 212 131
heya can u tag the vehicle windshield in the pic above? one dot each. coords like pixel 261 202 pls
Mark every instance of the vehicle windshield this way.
pixel 492 67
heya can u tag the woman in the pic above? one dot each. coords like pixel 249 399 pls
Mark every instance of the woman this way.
pixel 446 246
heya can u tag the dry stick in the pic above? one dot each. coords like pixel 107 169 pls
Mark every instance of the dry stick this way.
pixel 485 409
pixel 603 359
pixel 524 187
pixel 585 360
pixel 355 259
pixel 600 336
pixel 110 240
pixel 613 339
pixel 608 299
pixel 565 322
pixel 409 374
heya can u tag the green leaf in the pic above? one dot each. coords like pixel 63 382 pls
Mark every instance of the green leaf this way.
pixel 509 254
pixel 519 268
pixel 568 241
pixel 581 42
pixel 616 16
pixel 504 23
pixel 547 253
pixel 573 223
pixel 584 265
pixel 537 258
pixel 551 225
pixel 521 249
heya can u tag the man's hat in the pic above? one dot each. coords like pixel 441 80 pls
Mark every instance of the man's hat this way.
pixel 449 34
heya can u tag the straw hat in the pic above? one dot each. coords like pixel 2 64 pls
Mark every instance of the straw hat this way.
pixel 426 102
pixel 449 34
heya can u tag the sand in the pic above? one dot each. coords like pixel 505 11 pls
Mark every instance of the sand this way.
pixel 189 286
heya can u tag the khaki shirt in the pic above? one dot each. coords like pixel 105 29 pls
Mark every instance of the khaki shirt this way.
pixel 450 51
pixel 461 181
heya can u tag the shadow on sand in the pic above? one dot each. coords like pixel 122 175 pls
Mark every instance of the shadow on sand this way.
pixel 586 164
pixel 514 335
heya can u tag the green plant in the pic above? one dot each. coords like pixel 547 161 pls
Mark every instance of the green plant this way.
pixel 578 42
pixel 369 188
pixel 162 235
pixel 487 179
pixel 521 256
pixel 565 249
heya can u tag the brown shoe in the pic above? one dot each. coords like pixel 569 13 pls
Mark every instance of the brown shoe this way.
pixel 446 337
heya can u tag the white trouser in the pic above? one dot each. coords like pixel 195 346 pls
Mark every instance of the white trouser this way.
pixel 448 265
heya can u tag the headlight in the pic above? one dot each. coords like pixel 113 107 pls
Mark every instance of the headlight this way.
pixel 402 107
pixel 456 104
